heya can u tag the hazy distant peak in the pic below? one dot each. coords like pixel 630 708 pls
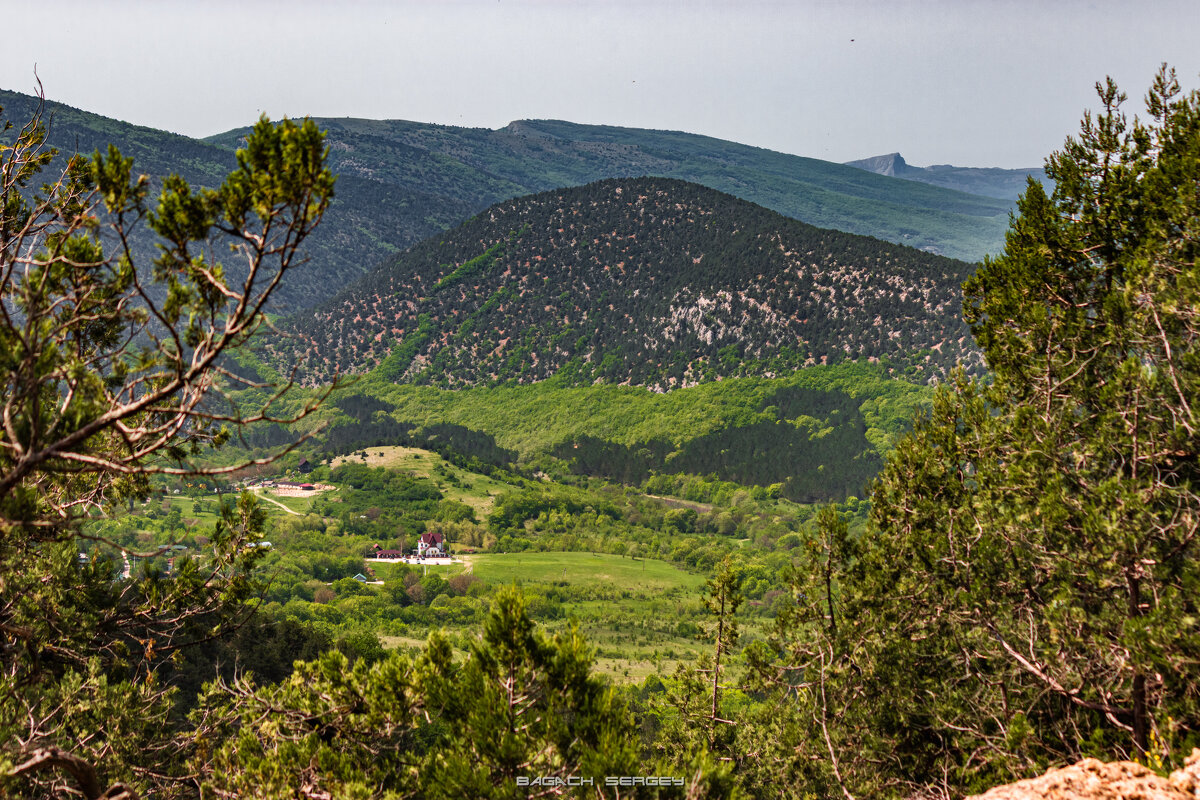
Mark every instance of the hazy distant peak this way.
pixel 1003 184
pixel 892 164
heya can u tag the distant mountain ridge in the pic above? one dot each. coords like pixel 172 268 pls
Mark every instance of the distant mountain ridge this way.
pixel 650 282
pixel 480 167
pixel 400 182
pixel 1003 184
pixel 368 220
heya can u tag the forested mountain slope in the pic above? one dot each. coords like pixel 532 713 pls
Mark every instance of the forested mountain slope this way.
pixel 821 433
pixel 479 167
pixel 367 221
pixel 649 282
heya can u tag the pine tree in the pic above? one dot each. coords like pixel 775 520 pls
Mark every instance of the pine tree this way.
pixel 1027 594
pixel 518 704
pixel 1037 534
pixel 111 372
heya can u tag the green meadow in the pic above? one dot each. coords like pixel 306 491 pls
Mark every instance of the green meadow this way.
pixel 641 615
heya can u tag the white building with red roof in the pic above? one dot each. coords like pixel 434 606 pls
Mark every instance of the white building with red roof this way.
pixel 431 544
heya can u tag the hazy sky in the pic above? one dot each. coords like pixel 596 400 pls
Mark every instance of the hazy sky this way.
pixel 968 82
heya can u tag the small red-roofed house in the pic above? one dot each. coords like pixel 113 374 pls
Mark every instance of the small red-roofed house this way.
pixel 431 544
pixel 379 552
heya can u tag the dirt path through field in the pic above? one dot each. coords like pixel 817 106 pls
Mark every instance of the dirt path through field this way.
pixel 264 496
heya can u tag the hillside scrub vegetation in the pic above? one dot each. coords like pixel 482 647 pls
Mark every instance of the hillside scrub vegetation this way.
pixel 818 433
pixel 648 282
pixel 401 182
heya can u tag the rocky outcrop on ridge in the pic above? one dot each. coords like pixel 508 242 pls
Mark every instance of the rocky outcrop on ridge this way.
pixel 892 165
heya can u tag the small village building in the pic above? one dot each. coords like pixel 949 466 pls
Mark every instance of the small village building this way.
pixel 294 485
pixel 431 545
pixel 381 553
pixel 305 466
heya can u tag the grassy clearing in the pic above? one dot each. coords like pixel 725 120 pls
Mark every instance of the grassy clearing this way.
pixel 641 617
pixel 301 504
pixel 385 570
pixel 620 670
pixel 643 577
pixel 477 491
pixel 405 643
pixel 629 610
pixel 392 457
pixel 204 509
pixel 469 488
pixel 631 669
pixel 201 509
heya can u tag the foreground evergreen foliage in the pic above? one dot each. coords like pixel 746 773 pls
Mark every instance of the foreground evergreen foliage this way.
pixel 109 370
pixel 519 704
pixel 1031 594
